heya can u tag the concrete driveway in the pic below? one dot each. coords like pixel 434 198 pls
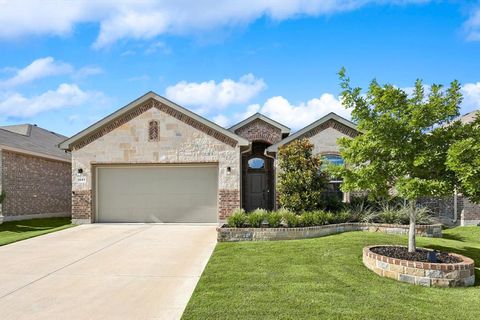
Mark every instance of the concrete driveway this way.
pixel 104 271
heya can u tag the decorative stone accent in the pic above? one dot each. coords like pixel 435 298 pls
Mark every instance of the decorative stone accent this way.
pixel 330 124
pixel 82 205
pixel 259 130
pixel 460 274
pixel 229 200
pixel 34 186
pixel 268 234
pixel 151 103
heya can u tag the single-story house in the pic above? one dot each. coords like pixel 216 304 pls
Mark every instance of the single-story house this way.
pixel 155 161
pixel 35 174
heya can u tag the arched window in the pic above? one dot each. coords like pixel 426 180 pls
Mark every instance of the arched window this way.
pixel 153 131
pixel 334 159
pixel 256 163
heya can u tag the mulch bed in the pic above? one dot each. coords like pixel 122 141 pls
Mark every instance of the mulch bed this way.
pixel 421 255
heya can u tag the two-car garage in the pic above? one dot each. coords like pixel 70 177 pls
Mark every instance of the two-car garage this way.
pixel 157 193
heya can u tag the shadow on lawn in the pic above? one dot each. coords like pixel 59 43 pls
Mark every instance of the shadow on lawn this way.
pixel 473 253
pixel 33 225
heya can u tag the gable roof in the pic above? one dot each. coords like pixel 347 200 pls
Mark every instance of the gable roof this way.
pixel 128 112
pixel 311 128
pixel 284 129
pixel 469 117
pixel 33 140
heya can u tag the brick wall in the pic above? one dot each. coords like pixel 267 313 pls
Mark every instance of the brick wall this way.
pixel 259 130
pixel 229 200
pixel 35 185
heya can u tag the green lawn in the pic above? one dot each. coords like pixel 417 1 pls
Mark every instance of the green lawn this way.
pixel 324 278
pixel 13 231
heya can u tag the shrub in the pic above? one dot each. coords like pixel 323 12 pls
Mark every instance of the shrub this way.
pixel 238 219
pixel 331 202
pixel 321 217
pixel 307 219
pixel 2 196
pixel 274 219
pixel 301 180
pixel 343 216
pixel 290 218
pixel 398 215
pixel 256 217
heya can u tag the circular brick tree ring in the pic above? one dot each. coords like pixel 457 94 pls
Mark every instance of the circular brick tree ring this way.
pixel 461 274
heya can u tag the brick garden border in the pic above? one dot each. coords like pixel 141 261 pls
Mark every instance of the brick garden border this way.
pixel 225 234
pixel 461 274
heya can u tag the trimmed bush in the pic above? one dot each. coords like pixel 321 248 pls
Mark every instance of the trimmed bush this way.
pixel 289 218
pixel 307 219
pixel 322 217
pixel 274 219
pixel 238 219
pixel 256 218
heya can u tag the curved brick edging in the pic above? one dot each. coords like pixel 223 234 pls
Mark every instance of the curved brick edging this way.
pixel 266 234
pixel 460 274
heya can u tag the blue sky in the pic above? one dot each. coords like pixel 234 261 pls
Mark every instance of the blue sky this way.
pixel 65 65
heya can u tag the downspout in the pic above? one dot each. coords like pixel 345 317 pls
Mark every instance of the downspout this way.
pixel 274 179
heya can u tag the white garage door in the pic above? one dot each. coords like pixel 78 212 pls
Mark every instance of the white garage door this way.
pixel 184 194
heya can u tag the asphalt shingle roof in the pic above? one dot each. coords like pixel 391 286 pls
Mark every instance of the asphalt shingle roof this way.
pixel 34 139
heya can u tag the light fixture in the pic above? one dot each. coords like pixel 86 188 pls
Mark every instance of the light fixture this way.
pixel 80 170
pixel 229 170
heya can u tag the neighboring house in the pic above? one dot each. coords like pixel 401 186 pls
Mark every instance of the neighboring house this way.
pixel 35 174
pixel 155 161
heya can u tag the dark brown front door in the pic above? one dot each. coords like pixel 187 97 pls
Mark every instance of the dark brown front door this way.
pixel 257 192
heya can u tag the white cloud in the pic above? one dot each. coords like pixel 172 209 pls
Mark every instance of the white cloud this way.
pixel 146 19
pixel 40 68
pixel 471 96
pixel 295 116
pixel 472 26
pixel 66 95
pixel 158 46
pixel 209 95
pixel 87 71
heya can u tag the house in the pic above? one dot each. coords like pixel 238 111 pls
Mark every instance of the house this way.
pixel 155 161
pixel 34 173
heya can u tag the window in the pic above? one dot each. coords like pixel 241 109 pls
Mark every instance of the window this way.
pixel 153 131
pixel 256 163
pixel 334 159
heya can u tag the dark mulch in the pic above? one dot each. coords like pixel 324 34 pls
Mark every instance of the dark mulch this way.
pixel 421 255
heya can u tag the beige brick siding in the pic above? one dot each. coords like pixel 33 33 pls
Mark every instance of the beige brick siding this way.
pixel 34 185
pixel 179 142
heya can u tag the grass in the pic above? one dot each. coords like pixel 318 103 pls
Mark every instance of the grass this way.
pixel 324 278
pixel 13 231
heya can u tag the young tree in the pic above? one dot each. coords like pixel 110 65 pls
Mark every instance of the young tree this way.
pixel 404 142
pixel 464 160
pixel 301 181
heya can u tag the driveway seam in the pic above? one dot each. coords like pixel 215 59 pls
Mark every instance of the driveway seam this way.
pixel 73 262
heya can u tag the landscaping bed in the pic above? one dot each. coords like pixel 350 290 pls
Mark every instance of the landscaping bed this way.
pixel 420 255
pixel 227 234
pixel 452 270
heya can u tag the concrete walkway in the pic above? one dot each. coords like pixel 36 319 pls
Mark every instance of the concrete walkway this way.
pixel 104 271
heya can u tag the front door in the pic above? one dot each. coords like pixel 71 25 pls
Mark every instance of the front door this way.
pixel 257 192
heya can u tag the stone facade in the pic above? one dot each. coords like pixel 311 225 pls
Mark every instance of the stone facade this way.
pixel 460 274
pixel 259 130
pixel 34 186
pixel 180 140
pixel 269 234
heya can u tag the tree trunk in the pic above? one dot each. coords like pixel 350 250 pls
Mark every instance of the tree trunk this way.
pixel 411 231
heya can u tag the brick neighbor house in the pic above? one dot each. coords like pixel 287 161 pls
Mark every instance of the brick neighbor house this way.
pixel 34 173
pixel 155 161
